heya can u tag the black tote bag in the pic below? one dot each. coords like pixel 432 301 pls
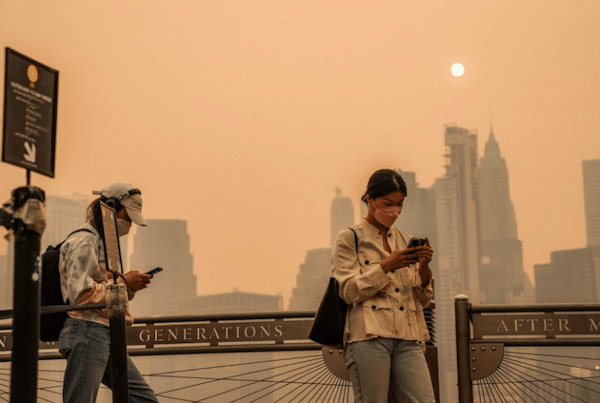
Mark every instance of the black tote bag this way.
pixel 330 319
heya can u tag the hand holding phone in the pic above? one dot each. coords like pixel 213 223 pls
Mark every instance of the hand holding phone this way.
pixel 416 242
pixel 154 271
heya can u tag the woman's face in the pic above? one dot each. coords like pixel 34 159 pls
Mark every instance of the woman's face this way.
pixel 391 199
pixel 385 209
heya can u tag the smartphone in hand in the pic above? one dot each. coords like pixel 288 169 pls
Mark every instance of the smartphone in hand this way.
pixel 416 242
pixel 154 271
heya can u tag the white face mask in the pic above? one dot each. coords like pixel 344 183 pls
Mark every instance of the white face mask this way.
pixel 387 215
pixel 123 226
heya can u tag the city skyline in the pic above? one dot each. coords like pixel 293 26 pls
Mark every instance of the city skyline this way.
pixel 243 117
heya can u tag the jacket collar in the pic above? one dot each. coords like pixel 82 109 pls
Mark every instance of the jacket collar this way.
pixel 371 229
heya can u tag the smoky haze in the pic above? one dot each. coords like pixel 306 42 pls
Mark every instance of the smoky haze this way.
pixel 242 117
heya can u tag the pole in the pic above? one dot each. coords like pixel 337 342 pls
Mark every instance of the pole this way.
pixel 463 335
pixel 29 217
pixel 116 305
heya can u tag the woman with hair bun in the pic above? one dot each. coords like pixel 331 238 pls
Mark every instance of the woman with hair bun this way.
pixel 386 284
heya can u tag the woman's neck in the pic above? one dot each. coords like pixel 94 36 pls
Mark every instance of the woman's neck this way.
pixel 370 218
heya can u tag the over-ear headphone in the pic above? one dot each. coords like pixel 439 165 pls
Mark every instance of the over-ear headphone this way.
pixel 115 201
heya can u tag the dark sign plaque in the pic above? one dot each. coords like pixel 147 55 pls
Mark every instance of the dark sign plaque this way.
pixel 112 252
pixel 30 105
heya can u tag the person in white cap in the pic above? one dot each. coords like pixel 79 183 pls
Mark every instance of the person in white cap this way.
pixel 85 338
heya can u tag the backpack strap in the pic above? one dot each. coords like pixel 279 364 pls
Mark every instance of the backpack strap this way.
pixel 77 230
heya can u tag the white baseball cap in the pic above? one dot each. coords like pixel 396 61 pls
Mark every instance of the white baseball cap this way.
pixel 129 197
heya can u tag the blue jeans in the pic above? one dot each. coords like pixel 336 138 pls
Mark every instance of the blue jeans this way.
pixel 86 346
pixel 382 365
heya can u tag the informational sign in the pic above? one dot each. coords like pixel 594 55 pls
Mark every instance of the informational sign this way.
pixel 30 105
pixel 205 333
pixel 112 252
pixel 545 325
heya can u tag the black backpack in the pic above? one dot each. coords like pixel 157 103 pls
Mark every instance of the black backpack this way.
pixel 51 324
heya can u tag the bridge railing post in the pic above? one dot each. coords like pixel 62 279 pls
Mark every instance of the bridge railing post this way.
pixel 463 335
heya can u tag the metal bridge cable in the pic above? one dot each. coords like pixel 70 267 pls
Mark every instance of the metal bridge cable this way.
pixel 340 386
pixel 312 385
pixel 240 387
pixel 322 388
pixel 308 359
pixel 554 355
pixel 237 388
pixel 563 365
pixel 529 384
pixel 512 383
pixel 485 388
pixel 260 390
pixel 567 379
pixel 210 380
pixel 297 376
pixel 497 383
pixel 510 387
pixel 535 381
pixel 304 384
pixel 519 356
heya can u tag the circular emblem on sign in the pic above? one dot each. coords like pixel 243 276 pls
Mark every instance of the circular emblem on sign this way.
pixel 32 73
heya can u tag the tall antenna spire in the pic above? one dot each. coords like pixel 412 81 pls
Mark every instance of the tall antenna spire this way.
pixel 491 122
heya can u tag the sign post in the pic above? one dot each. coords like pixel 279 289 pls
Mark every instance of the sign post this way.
pixel 30 109
pixel 116 305
pixel 28 141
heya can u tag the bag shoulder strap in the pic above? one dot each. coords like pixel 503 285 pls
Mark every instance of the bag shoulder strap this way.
pixel 355 239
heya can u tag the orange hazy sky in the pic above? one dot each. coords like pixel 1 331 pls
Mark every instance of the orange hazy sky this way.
pixel 242 117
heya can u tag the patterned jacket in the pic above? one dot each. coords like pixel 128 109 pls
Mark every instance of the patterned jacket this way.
pixel 83 275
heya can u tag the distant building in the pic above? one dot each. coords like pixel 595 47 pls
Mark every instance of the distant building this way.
pixel 341 214
pixel 502 279
pixel 591 192
pixel 418 217
pixel 166 244
pixel 63 215
pixel 311 280
pixel 573 276
pixel 232 302
pixel 570 277
pixel 314 273
pixel 457 249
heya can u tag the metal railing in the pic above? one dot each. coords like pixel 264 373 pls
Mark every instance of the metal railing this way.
pixel 528 353
pixel 263 356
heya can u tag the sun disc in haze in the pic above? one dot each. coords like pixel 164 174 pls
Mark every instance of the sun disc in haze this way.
pixel 457 69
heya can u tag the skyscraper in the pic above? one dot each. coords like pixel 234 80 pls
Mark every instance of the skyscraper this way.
pixel 418 213
pixel 311 280
pixel 341 214
pixel 63 215
pixel 570 277
pixel 166 244
pixel 457 245
pixel 574 275
pixel 502 278
pixel 591 193
pixel 314 273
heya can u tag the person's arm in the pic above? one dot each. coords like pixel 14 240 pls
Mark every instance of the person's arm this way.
pixel 81 264
pixel 423 287
pixel 354 286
